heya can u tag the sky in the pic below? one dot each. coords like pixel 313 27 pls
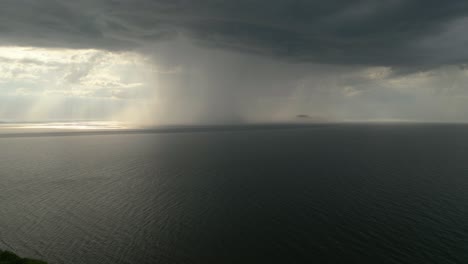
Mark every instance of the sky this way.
pixel 245 61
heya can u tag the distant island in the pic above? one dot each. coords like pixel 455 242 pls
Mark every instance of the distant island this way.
pixel 318 118
pixel 7 257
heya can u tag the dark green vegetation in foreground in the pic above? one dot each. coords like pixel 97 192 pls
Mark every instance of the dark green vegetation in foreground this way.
pixel 7 257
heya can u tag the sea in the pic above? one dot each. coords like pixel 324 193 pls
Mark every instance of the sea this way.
pixel 325 193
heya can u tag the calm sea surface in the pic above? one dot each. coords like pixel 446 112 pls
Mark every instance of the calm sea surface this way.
pixel 325 194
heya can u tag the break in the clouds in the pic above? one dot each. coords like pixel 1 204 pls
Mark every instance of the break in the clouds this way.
pixel 182 61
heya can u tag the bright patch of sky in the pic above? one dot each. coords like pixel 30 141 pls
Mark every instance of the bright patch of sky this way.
pixel 42 84
pixel 78 73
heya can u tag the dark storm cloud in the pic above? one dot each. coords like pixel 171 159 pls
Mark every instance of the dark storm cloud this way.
pixel 391 32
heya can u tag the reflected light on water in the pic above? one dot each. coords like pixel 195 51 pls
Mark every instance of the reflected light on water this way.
pixel 80 125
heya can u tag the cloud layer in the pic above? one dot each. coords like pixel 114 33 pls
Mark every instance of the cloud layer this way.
pixel 389 32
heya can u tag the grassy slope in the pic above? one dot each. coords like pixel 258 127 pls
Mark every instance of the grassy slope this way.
pixel 7 257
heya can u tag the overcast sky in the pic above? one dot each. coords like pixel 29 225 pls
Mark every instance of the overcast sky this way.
pixel 184 61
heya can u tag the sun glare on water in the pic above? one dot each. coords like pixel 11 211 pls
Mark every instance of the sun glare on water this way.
pixel 94 125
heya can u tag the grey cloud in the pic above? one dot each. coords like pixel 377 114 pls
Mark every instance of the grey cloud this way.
pixel 389 32
pixel 78 71
pixel 28 61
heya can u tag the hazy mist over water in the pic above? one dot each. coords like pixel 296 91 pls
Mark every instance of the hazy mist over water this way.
pixel 324 194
